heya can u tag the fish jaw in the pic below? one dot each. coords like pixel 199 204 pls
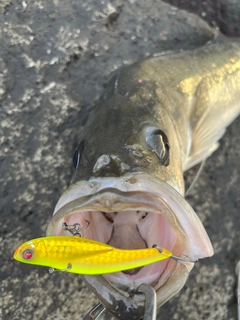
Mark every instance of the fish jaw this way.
pixel 116 211
pixel 130 304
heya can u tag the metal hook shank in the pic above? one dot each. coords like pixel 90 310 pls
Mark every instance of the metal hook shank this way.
pixel 95 313
pixel 151 302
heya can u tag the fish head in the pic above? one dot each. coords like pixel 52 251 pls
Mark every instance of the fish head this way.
pixel 127 133
pixel 129 185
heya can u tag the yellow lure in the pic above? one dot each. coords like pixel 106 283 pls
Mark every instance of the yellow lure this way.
pixel 85 256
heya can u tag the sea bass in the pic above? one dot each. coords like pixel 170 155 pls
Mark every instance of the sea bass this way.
pixel 156 119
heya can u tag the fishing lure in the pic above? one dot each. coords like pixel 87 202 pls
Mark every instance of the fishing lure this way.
pixel 84 256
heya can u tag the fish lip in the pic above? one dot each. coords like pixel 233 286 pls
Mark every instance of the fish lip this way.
pixel 131 304
pixel 116 201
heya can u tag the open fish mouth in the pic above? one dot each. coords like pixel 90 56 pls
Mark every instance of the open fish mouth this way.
pixel 132 212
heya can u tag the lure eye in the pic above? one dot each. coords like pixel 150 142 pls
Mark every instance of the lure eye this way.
pixel 158 141
pixel 27 254
pixel 78 154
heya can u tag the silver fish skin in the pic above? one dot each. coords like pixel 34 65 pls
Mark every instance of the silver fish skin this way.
pixel 156 119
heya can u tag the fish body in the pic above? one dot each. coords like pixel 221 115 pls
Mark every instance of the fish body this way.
pixel 155 120
pixel 84 256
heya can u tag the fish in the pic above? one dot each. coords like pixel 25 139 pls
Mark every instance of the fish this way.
pixel 83 256
pixel 156 119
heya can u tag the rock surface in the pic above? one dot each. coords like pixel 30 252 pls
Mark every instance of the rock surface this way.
pixel 55 59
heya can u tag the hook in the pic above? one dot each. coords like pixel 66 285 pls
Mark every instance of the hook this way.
pixel 150 312
pixel 69 267
pixel 75 229
pixel 95 313
pixel 178 259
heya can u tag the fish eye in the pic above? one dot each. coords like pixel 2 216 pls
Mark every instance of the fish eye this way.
pixel 27 254
pixel 78 154
pixel 76 157
pixel 158 141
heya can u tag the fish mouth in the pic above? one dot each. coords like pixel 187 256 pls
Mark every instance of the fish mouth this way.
pixel 126 223
pixel 132 212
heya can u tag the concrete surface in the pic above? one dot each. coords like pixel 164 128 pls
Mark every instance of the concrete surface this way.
pixel 55 58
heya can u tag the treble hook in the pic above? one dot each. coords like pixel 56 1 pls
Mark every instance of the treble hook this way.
pixel 95 313
pixel 75 229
